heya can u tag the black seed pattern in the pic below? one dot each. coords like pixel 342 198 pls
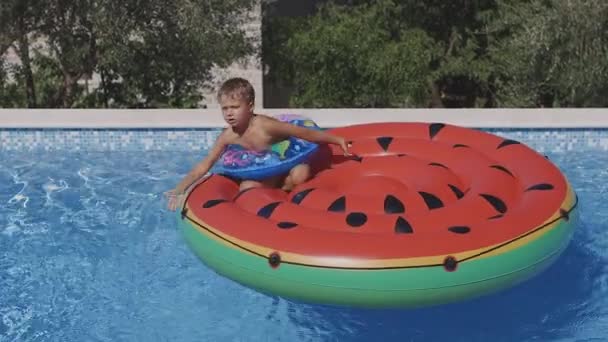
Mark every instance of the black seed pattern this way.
pixel 459 229
pixel 496 202
pixel 402 226
pixel 299 197
pixel 565 214
pixel 392 205
pixel 286 225
pixel 338 205
pixel 356 219
pixel 213 203
pixel 434 129
pixel 507 142
pixel 432 201
pixel 267 210
pixel 496 217
pixel 503 169
pixel 384 142
pixel 440 165
pixel 541 186
pixel 240 193
pixel 459 194
pixel 460 145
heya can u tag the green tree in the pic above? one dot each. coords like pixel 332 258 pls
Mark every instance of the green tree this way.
pixel 382 53
pixel 71 38
pixel 475 53
pixel 11 94
pixel 148 53
pixel 551 53
pixel 19 22
pixel 350 56
pixel 462 75
pixel 52 83
pixel 159 54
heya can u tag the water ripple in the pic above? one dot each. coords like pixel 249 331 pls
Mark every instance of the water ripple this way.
pixel 89 253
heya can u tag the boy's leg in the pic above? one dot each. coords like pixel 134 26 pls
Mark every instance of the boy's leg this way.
pixel 247 184
pixel 298 175
pixel 272 182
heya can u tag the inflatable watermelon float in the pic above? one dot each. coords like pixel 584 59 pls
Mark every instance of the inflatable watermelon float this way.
pixel 425 214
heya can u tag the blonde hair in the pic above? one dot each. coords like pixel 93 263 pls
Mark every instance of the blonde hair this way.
pixel 237 87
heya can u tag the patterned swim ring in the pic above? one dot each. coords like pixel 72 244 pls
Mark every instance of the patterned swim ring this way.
pixel 241 163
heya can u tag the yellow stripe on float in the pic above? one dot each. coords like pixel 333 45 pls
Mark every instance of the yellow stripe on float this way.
pixel 287 257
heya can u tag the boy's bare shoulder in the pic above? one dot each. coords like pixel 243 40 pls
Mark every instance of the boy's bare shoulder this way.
pixel 267 117
pixel 227 136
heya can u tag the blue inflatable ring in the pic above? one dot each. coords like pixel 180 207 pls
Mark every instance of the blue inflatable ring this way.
pixel 238 162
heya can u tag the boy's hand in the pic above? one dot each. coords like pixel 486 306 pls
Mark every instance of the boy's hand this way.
pixel 345 145
pixel 174 199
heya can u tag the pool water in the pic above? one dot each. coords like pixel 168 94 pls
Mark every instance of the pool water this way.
pixel 89 253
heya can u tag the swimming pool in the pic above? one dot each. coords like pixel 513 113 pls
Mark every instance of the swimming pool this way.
pixel 90 254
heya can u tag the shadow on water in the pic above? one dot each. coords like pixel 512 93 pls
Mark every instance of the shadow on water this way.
pixel 550 306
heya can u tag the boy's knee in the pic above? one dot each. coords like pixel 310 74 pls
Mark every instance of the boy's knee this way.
pixel 300 173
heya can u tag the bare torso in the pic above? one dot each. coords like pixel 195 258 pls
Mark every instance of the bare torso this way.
pixel 255 137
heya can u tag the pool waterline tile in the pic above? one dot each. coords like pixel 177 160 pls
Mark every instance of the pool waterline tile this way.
pixel 542 140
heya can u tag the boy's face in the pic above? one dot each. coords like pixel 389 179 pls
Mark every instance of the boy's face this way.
pixel 236 110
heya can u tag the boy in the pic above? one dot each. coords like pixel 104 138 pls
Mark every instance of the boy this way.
pixel 255 132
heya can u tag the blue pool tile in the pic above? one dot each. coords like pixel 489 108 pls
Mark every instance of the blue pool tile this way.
pixel 543 140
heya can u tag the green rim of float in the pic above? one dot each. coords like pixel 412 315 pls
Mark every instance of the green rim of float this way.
pixel 408 286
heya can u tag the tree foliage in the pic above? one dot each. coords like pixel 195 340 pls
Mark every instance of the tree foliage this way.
pixel 461 53
pixel 18 26
pixel 146 53
pixel 346 59
pixel 551 53
pixel 348 53
pixel 11 94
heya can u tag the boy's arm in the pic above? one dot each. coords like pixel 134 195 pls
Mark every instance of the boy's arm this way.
pixel 204 166
pixel 279 128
